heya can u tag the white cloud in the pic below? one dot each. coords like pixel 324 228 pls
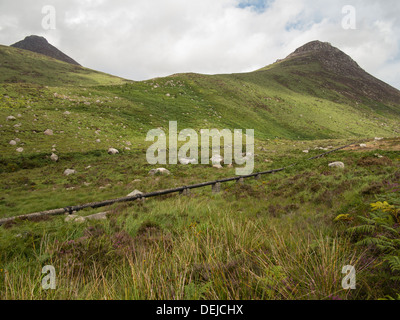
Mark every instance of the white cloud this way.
pixel 141 39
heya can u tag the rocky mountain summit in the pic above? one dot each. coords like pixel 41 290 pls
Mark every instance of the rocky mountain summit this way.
pixel 341 68
pixel 40 45
pixel 330 57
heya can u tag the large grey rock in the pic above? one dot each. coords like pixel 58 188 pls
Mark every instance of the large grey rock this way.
pixel 113 151
pixel 134 193
pixel 54 157
pixel 11 118
pixel 74 218
pixel 337 164
pixel 68 172
pixel 162 171
pixel 48 132
pixel 215 159
pixel 97 216
pixel 186 161
pixel 70 218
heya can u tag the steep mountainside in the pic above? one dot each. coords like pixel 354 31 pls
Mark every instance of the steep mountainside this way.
pixel 341 68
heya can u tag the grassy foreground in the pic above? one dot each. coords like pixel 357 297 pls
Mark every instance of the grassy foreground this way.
pixel 286 236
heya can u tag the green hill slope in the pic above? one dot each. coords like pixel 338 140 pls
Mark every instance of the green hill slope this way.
pixel 301 97
pixel 23 66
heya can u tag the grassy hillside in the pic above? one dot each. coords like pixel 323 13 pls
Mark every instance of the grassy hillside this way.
pixel 285 236
pixel 22 66
pixel 280 102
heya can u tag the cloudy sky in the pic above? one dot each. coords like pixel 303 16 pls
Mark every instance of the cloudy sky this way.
pixel 142 39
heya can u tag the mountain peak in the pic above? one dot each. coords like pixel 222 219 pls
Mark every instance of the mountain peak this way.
pixel 34 38
pixel 330 57
pixel 340 68
pixel 40 45
pixel 315 45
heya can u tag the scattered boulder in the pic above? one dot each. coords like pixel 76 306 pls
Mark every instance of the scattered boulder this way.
pixel 248 156
pixel 68 172
pixel 216 159
pixel 161 171
pixel 113 151
pixel 48 132
pixel 70 217
pixel 74 218
pixel 20 150
pixel 13 142
pixel 363 145
pixel 11 118
pixel 134 193
pixel 337 164
pixel 186 161
pixel 97 216
pixel 54 157
pixel 67 113
pixel 306 151
pixel 378 139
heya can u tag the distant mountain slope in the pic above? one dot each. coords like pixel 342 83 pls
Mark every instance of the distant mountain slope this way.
pixel 317 92
pixel 23 66
pixel 341 68
pixel 40 45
